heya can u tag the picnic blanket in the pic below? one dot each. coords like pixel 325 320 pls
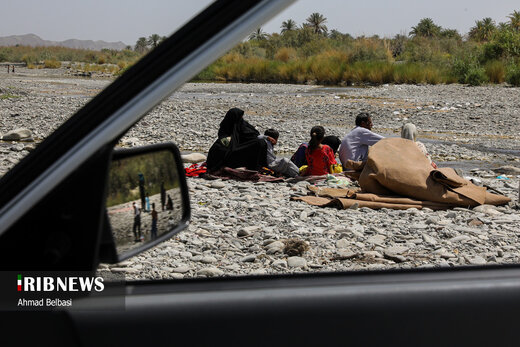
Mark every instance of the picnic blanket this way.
pixel 397 175
pixel 241 174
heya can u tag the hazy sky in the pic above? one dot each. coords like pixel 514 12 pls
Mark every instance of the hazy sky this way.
pixel 127 20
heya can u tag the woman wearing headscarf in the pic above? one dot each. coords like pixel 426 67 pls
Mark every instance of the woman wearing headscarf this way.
pixel 409 132
pixel 237 145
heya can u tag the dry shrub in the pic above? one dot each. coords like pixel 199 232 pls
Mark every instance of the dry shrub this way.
pixel 496 71
pixel 285 54
pixel 369 49
pixel 432 75
pixel 293 72
pixel 231 58
pixel 51 64
pixel 328 67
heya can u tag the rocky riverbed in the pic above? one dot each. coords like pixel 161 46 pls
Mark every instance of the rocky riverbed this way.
pixel 241 228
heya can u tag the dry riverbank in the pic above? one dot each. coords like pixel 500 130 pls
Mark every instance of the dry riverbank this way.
pixel 242 228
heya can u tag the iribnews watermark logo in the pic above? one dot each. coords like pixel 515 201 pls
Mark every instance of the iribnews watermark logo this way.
pixel 64 284
pixel 58 285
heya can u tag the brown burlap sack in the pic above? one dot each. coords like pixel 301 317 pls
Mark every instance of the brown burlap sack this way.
pixel 396 166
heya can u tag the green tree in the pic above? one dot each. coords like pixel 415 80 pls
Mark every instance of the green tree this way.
pixel 483 30
pixel 154 40
pixel 503 26
pixel 288 25
pixel 317 22
pixel 305 35
pixel 258 34
pixel 451 34
pixel 514 20
pixel 397 44
pixel 426 28
pixel 339 36
pixel 141 45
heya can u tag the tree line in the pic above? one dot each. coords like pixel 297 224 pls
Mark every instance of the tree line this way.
pixel 429 53
pixel 143 44
pixel 311 53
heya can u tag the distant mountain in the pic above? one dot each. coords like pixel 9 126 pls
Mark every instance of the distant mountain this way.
pixel 34 40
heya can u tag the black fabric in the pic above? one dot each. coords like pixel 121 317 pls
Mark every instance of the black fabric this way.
pixel 233 116
pixel 245 148
pixel 332 141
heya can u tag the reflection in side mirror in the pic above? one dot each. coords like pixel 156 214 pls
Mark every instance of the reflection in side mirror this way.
pixel 146 198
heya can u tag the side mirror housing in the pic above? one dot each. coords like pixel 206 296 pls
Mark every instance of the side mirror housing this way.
pixel 147 200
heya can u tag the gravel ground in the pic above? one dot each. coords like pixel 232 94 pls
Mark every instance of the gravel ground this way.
pixel 241 228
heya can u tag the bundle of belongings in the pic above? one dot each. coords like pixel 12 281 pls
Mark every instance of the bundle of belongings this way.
pixel 397 175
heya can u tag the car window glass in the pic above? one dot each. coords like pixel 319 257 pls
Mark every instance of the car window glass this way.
pixel 457 86
pixel 48 72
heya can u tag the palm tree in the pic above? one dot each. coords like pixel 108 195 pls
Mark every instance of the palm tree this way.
pixel 154 40
pixel 258 34
pixel 316 22
pixel 503 26
pixel 288 25
pixel 141 45
pixel 426 28
pixel 514 19
pixel 450 34
pixel 483 30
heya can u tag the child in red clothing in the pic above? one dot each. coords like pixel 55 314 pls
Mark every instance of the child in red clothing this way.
pixel 319 157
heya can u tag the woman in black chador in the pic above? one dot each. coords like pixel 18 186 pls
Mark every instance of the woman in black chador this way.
pixel 237 145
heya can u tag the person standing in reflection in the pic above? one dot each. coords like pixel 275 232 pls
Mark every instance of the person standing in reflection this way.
pixel 153 232
pixel 137 222
pixel 169 204
pixel 163 196
pixel 141 190
pixel 147 199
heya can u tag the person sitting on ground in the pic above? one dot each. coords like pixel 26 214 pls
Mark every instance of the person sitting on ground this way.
pixel 409 131
pixel 298 158
pixel 237 145
pixel 319 157
pixel 354 145
pixel 279 165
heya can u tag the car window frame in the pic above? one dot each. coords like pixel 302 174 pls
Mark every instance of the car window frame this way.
pixel 101 122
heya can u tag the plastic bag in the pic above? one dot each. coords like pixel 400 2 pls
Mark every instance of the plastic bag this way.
pixel 336 168
pixel 334 181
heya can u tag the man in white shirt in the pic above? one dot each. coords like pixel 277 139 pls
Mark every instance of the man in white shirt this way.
pixel 354 145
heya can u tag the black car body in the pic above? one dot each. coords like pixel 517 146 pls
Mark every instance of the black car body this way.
pixel 53 219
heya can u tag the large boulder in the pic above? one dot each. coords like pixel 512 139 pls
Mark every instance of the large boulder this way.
pixel 193 158
pixel 17 135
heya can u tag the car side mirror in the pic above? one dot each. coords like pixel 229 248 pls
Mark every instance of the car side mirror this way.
pixel 147 198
